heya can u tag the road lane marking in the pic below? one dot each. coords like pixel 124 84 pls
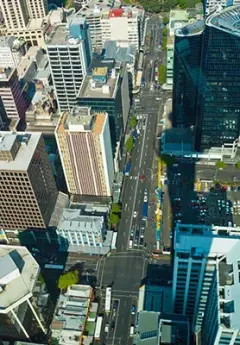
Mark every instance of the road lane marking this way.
pixel 114 333
pixel 144 136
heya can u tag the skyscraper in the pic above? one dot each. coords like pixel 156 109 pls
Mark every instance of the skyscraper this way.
pixel 69 53
pixel 11 94
pixel 84 145
pixel 206 281
pixel 27 190
pixel 207 79
pixel 25 19
pixel 16 14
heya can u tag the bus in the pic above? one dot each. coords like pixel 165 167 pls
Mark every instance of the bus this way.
pixel 114 240
pixel 98 328
pixel 54 267
pixel 108 299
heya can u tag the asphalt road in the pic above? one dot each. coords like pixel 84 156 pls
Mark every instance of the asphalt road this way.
pixel 123 272
pixel 125 269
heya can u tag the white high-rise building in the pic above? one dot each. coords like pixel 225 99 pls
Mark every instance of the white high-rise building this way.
pixel 69 60
pixel 206 281
pixel 124 25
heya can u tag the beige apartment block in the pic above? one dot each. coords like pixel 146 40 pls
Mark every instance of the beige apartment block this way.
pixel 85 149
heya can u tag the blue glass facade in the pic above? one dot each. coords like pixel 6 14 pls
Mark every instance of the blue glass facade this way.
pixel 207 79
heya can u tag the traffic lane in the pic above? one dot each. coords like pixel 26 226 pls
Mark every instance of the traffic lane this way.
pixel 124 320
pixel 123 272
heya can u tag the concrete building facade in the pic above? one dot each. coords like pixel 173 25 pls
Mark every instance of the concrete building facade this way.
pixel 85 149
pixel 25 19
pixel 11 94
pixel 27 188
pixel 19 273
pixel 68 62
pixel 206 281
pixel 124 25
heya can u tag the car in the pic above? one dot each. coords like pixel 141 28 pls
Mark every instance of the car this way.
pixel 137 235
pixel 106 329
pixel 132 331
pixel 145 191
pixel 113 324
pixel 134 214
pixel 145 199
pixel 133 309
pixel 170 234
pixel 115 304
pixel 90 271
pixel 142 178
pixel 141 241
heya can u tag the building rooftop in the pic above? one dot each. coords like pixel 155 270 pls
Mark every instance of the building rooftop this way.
pixel 227 20
pixel 28 144
pixel 73 220
pixel 119 54
pixel 162 328
pixel 6 73
pixel 71 314
pixel 24 66
pixel 74 121
pixel 60 35
pixel 181 15
pixel 92 89
pixel 94 8
pixel 22 285
pixel 191 29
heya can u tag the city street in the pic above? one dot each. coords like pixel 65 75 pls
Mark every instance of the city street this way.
pixel 124 269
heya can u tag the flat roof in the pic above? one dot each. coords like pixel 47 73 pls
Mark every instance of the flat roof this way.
pixel 89 89
pixel 22 286
pixel 25 151
pixel 60 35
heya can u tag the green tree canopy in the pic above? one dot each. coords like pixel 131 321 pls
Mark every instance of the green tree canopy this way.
pixel 165 20
pixel 113 218
pixel 238 165
pixel 129 144
pixel 116 208
pixel 221 164
pixel 164 43
pixel 165 31
pixel 133 122
pixel 162 72
pixel 68 279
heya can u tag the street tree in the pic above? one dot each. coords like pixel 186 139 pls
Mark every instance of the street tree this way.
pixel 221 164
pixel 68 279
pixel 165 31
pixel 165 20
pixel 116 208
pixel 238 165
pixel 113 218
pixel 129 144
pixel 162 73
pixel 133 122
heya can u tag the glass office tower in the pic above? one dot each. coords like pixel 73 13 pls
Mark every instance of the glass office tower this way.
pixel 207 79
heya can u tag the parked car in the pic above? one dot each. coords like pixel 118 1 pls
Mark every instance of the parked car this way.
pixel 106 329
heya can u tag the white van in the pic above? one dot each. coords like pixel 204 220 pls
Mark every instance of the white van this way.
pixel 130 244
pixel 131 331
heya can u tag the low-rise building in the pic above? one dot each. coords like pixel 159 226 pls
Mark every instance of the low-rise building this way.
pixel 162 329
pixel 19 274
pixel 42 115
pixel 71 315
pixel 83 233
